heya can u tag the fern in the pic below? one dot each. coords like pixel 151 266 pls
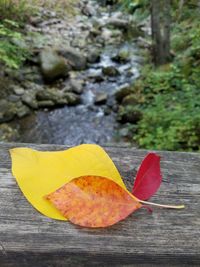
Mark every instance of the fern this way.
pixel 11 54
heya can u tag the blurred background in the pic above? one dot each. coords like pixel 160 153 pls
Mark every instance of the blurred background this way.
pixel 101 71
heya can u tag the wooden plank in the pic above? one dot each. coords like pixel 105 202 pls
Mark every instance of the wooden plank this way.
pixel 165 237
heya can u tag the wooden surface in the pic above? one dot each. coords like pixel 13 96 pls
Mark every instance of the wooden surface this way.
pixel 165 237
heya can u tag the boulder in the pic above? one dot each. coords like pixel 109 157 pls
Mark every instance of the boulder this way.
pixel 101 98
pixel 96 77
pixel 130 114
pixel 29 99
pixel 13 98
pixel 30 74
pixel 118 23
pixel 46 104
pixel 89 10
pixel 52 94
pixel 53 66
pixel 18 90
pixel 7 110
pixel 76 86
pixel 74 57
pixel 94 56
pixel 122 92
pixel 129 100
pixel 23 111
pixel 122 56
pixel 28 85
pixel 72 99
pixel 29 96
pixel 57 97
pixel 73 86
pixel 106 35
pixel 110 71
pixel 97 23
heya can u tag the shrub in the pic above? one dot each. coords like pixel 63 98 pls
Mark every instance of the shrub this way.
pixel 171 109
pixel 16 10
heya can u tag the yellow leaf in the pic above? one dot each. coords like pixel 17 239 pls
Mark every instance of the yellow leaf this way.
pixel 39 173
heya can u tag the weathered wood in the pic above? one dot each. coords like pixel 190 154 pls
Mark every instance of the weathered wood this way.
pixel 165 237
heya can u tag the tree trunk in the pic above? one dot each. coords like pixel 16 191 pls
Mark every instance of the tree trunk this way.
pixel 181 4
pixel 166 31
pixel 160 24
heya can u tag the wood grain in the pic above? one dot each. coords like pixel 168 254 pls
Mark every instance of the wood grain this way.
pixel 164 237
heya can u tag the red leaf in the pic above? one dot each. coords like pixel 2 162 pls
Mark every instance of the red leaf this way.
pixel 148 178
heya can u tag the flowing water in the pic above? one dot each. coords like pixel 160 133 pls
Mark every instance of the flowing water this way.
pixel 87 122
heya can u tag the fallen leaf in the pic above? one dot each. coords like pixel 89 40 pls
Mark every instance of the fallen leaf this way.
pixel 93 201
pixel 38 173
pixel 148 178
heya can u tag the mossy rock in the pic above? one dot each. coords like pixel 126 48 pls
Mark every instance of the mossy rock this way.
pixel 122 56
pixel 129 100
pixel 7 133
pixel 122 92
pixel 53 66
pixel 129 114
pixel 110 71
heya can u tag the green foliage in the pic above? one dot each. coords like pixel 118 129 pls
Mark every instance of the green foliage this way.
pixel 132 5
pixel 16 10
pixel 171 105
pixel 21 10
pixel 11 53
pixel 139 8
pixel 169 96
pixel 13 14
pixel 61 6
pixel 171 122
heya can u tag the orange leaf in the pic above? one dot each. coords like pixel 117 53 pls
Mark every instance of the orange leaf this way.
pixel 93 201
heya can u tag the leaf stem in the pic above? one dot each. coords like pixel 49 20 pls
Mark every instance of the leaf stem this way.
pixel 161 205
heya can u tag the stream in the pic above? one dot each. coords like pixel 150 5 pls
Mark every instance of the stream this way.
pixel 88 122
